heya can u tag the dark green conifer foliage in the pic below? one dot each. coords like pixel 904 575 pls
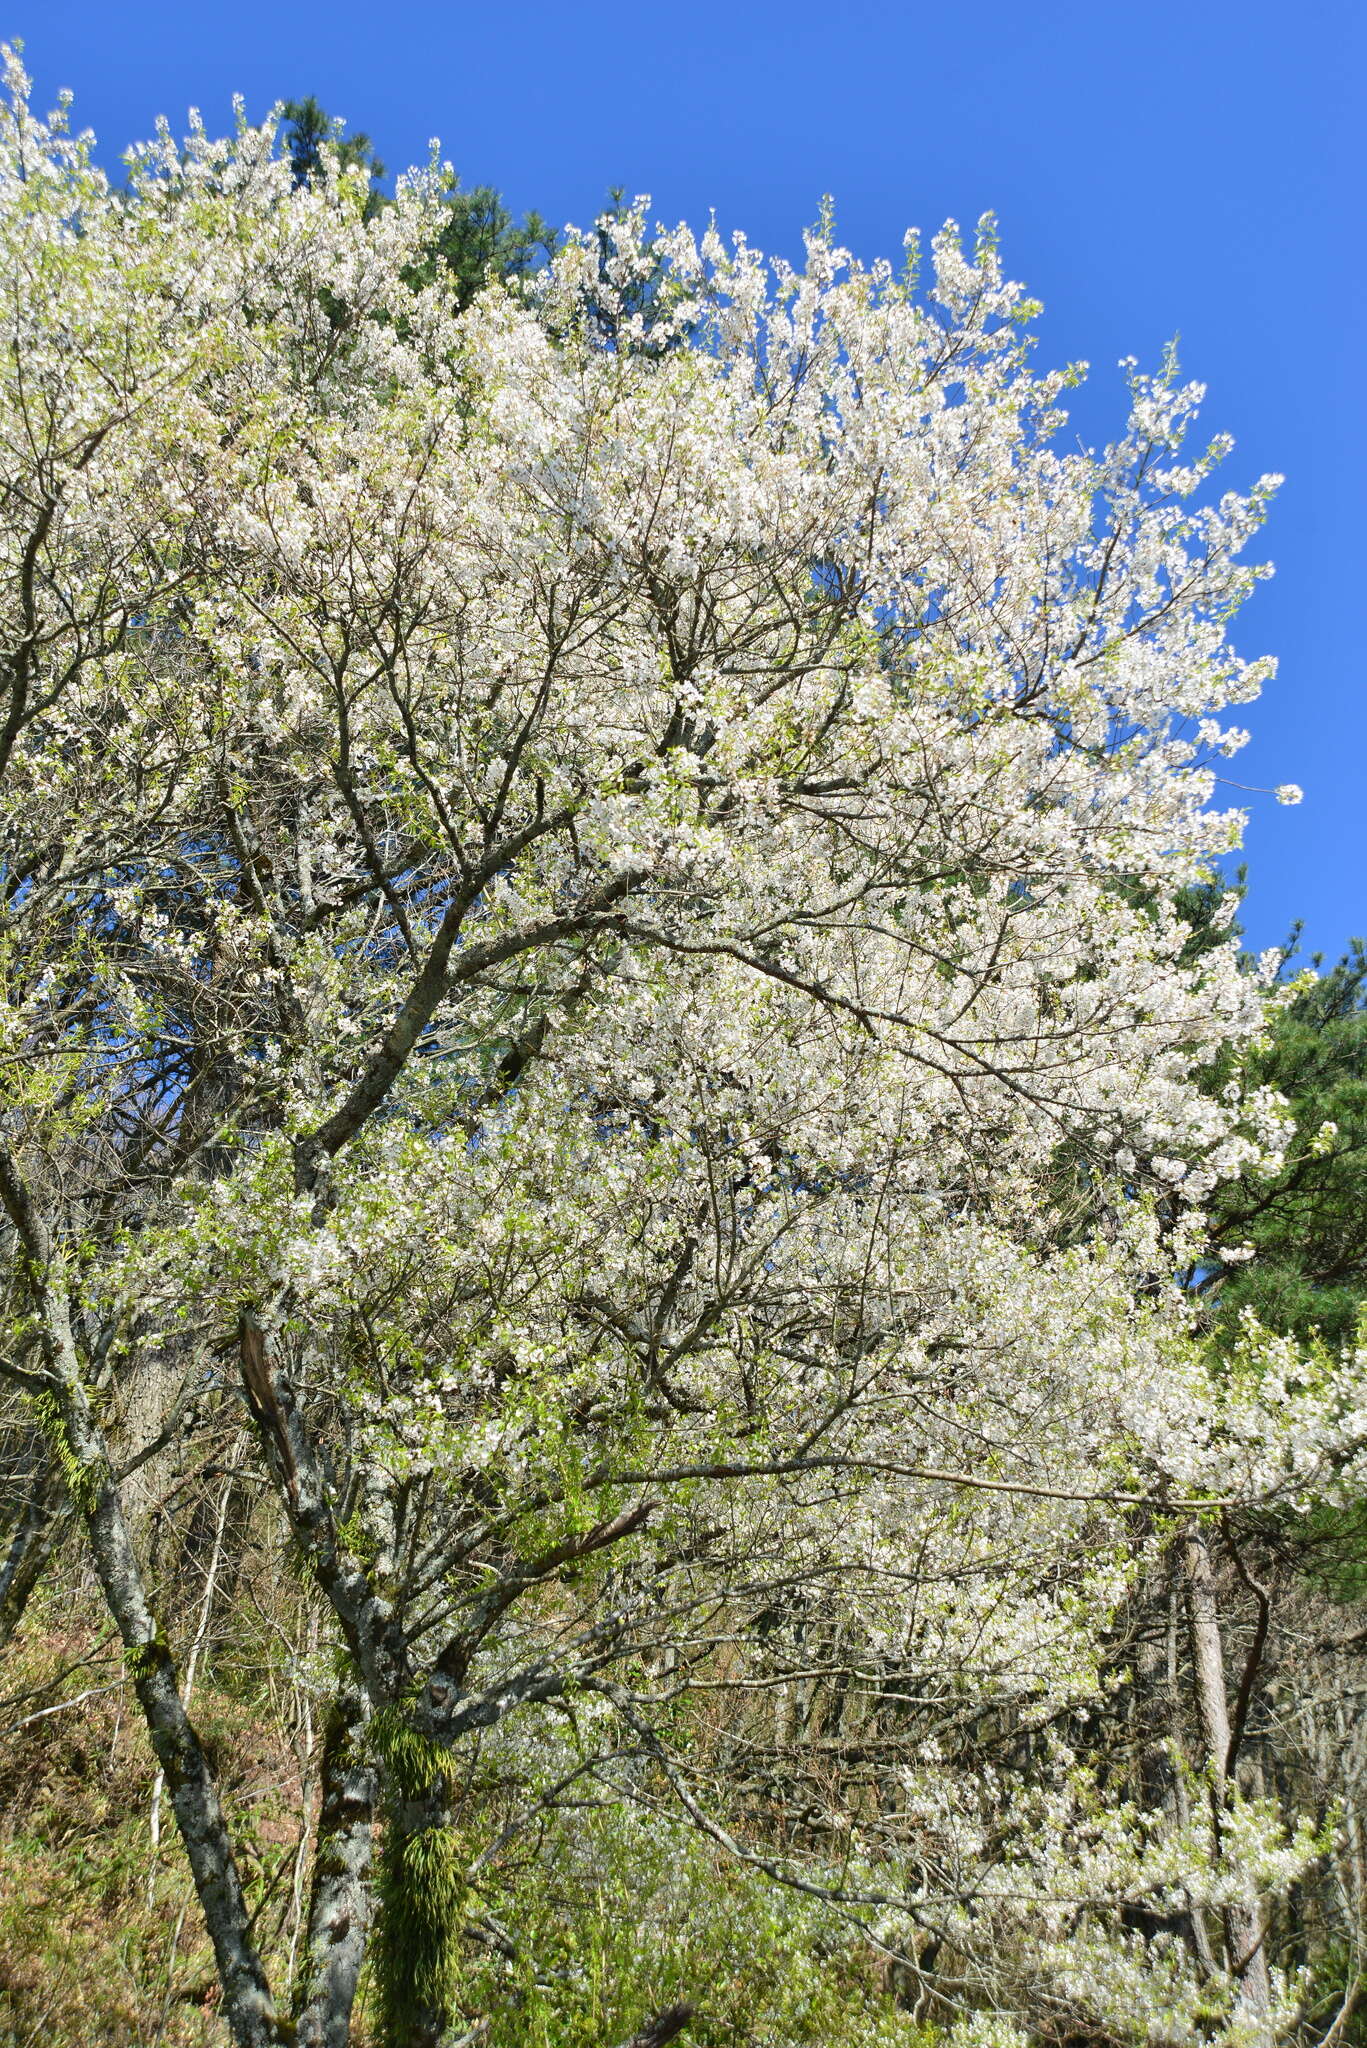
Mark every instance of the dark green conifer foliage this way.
pixel 310 126
pixel 1308 1225
pixel 647 299
pixel 479 239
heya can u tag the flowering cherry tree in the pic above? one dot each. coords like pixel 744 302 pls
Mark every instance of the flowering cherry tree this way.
pixel 588 942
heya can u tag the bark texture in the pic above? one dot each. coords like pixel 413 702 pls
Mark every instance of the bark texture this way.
pixel 83 1456
pixel 341 1903
pixel 1245 1932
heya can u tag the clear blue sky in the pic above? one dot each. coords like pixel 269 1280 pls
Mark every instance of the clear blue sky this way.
pixel 1159 169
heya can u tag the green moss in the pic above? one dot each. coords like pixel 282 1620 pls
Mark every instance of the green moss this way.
pixel 141 1659
pixel 414 1764
pixel 417 1938
pixel 82 1480
pixel 421 1890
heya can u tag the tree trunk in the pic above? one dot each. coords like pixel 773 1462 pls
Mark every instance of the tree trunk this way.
pixel 1245 1934
pixel 341 1903
pixel 1156 1722
pixel 82 1453
pixel 247 2003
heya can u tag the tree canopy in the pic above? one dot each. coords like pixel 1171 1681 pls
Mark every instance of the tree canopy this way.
pixel 595 982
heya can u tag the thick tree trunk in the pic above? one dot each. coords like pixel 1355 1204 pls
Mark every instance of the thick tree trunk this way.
pixel 146 1404
pixel 1245 1933
pixel 341 1904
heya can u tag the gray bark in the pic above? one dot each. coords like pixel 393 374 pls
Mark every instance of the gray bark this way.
pixel 248 2006
pixel 148 1461
pixel 304 1485
pixel 342 1902
pixel 1245 1933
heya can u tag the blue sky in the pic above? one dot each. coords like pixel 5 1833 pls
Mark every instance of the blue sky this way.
pixel 1192 170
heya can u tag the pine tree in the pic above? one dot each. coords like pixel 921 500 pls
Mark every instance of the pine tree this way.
pixel 1307 1225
